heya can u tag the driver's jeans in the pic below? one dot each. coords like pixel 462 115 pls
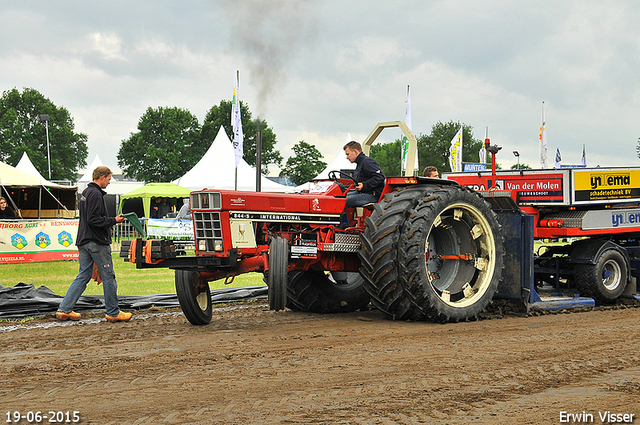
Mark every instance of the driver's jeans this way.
pixel 356 199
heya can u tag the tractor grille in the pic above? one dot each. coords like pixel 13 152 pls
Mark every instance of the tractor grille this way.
pixel 208 227
pixel 344 242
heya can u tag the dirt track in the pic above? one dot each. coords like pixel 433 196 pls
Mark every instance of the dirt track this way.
pixel 251 365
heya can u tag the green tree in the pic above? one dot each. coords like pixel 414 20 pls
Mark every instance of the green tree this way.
pixel 220 115
pixel 387 155
pixel 520 167
pixel 166 144
pixel 433 149
pixel 22 131
pixel 305 164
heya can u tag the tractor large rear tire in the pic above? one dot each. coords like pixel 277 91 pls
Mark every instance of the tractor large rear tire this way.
pixel 194 297
pixel 432 252
pixel 379 255
pixel 451 255
pixel 320 292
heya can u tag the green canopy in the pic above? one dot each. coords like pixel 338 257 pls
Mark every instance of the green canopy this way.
pixel 155 190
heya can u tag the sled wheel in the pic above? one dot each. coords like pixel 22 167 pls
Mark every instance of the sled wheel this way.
pixel 452 253
pixel 277 273
pixel 322 292
pixel 604 281
pixel 194 296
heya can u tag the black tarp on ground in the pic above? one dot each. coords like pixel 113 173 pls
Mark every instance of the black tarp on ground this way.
pixel 24 300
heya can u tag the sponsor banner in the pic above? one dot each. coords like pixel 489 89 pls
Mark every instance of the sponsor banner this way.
pixel 473 166
pixel 613 218
pixel 304 245
pixel 606 184
pixel 531 188
pixel 170 228
pixel 39 240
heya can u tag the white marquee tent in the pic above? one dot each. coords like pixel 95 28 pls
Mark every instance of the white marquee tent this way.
pixel 27 166
pixel 216 171
pixel 339 163
pixel 88 176
pixel 116 187
pixel 31 196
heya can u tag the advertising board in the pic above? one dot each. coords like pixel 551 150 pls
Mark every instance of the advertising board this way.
pixel 532 187
pixel 39 240
pixel 606 184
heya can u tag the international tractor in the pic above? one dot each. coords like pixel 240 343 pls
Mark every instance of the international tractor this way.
pixel 429 249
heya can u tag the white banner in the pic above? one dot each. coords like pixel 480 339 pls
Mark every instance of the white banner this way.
pixel 170 228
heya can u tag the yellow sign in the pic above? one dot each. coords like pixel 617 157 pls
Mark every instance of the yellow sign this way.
pixel 606 184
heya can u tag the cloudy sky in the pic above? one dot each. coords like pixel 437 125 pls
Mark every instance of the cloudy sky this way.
pixel 318 70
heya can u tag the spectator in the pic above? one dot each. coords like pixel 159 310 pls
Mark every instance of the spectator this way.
pixel 430 171
pixel 185 210
pixel 5 210
pixel 164 208
pixel 155 208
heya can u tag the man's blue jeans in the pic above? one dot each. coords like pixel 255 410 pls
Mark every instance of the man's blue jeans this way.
pixel 88 254
pixel 356 199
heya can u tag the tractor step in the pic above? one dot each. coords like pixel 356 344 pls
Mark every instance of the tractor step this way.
pixel 344 242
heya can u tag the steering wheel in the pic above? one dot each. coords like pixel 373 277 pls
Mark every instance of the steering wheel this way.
pixel 332 176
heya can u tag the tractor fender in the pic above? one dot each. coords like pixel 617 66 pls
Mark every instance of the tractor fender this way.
pixel 588 251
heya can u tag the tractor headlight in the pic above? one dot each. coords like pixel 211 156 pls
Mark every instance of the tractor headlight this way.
pixel 217 245
pixel 202 245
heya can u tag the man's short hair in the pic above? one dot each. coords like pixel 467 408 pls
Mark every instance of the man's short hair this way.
pixel 353 145
pixel 428 170
pixel 101 171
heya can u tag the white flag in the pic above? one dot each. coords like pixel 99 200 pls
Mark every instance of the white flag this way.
pixel 236 122
pixel 455 152
pixel 543 141
pixel 404 148
pixel 558 158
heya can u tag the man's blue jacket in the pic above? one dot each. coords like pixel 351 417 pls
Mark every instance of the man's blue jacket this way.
pixel 368 173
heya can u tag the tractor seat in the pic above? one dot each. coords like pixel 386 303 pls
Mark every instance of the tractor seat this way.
pixel 369 206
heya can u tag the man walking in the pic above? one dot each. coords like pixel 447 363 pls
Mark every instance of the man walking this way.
pixel 369 178
pixel 94 247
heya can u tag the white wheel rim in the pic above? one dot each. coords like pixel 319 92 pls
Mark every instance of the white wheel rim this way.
pixel 467 293
pixel 612 269
pixel 202 300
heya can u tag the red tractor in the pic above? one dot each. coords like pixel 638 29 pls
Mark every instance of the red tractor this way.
pixel 428 249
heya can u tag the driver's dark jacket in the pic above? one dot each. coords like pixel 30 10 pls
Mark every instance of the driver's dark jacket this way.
pixel 368 173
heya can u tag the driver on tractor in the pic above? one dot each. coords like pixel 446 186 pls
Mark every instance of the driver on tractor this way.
pixel 369 180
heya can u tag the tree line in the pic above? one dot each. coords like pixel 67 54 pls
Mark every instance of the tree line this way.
pixel 170 140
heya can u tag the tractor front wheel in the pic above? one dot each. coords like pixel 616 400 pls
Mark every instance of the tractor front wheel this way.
pixel 277 274
pixel 194 296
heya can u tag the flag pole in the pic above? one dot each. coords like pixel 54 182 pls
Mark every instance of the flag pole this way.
pixel 235 94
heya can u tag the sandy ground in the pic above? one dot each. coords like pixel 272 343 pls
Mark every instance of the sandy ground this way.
pixel 252 365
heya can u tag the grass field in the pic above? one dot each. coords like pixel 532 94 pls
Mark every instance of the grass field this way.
pixel 58 275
